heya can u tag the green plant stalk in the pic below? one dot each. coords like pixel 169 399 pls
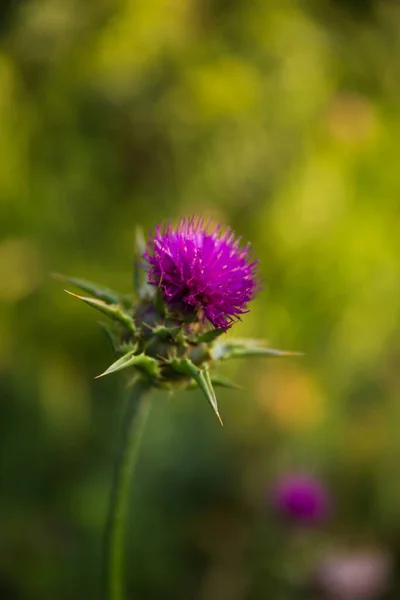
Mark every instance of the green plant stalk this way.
pixel 133 424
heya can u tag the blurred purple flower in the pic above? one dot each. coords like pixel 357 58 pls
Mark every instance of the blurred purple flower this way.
pixel 354 575
pixel 302 498
pixel 202 272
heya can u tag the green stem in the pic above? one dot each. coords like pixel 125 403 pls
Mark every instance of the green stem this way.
pixel 133 424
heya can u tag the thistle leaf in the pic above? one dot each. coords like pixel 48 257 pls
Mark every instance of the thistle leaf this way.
pixel 211 390
pixel 143 363
pixel 209 336
pixel 98 292
pixel 268 352
pixel 241 348
pixel 219 381
pixel 113 311
pixel 122 363
pixel 201 377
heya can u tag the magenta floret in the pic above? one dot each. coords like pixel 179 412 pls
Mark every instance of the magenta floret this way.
pixel 202 270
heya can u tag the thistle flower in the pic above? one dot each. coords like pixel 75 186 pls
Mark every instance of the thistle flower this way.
pixel 202 272
pixel 160 335
pixel 302 498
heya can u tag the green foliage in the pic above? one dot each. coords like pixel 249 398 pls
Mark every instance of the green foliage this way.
pixel 185 366
pixel 242 348
pixel 113 311
pixel 100 293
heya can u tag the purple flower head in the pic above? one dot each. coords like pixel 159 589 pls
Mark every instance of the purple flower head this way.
pixel 202 271
pixel 302 498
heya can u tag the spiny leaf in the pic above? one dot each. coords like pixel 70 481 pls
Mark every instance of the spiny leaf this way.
pixel 98 292
pixel 268 352
pixel 243 348
pixel 143 363
pixel 211 390
pixel 122 363
pixel 219 381
pixel 113 311
pixel 253 343
pixel 201 377
pixel 209 336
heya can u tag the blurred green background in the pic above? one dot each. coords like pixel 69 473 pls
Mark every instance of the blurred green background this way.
pixel 282 120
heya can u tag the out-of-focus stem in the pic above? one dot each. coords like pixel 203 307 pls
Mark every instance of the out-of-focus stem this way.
pixel 132 429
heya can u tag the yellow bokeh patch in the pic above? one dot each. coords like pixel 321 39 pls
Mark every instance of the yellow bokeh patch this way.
pixel 292 397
